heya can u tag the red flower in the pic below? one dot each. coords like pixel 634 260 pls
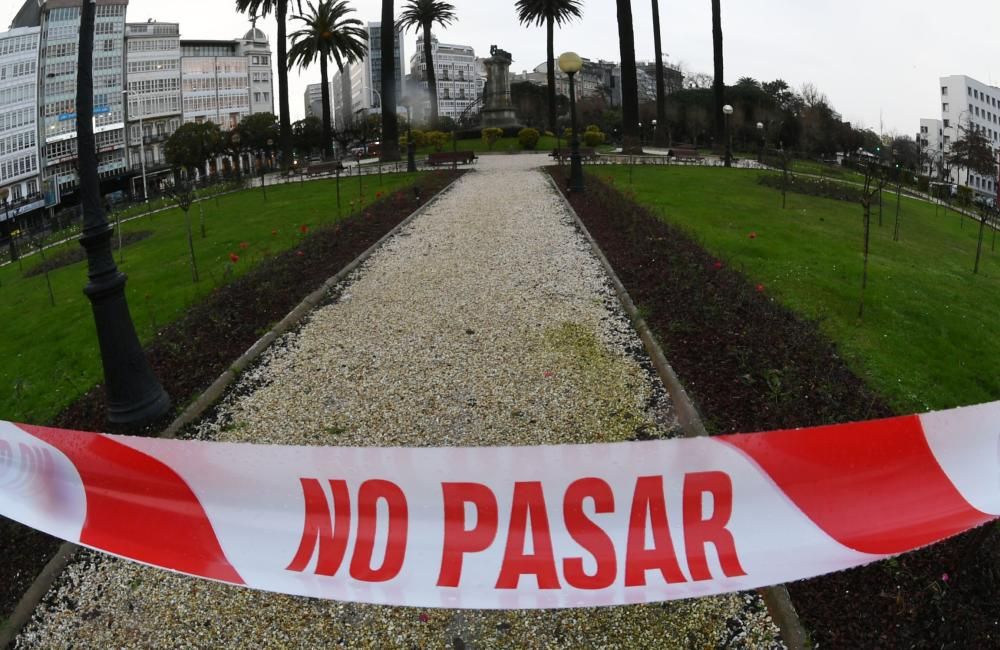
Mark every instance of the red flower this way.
pixel 300 253
pixel 753 235
pixel 274 233
pixel 424 617
pixel 378 195
pixel 234 258
pixel 944 577
pixel 760 288
pixel 718 264
pixel 547 374
pixel 244 245
pixel 304 228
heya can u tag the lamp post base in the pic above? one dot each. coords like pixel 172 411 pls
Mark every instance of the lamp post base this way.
pixel 411 151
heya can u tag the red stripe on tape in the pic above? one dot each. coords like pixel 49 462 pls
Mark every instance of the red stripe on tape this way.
pixel 844 477
pixel 139 508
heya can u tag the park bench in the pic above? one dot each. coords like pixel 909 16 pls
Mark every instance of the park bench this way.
pixel 451 157
pixel 685 153
pixel 324 168
pixel 587 153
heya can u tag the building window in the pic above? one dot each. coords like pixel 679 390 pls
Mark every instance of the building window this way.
pixel 947 123
pixel 923 129
pixel 970 91
pixel 944 108
pixel 944 91
pixel 947 139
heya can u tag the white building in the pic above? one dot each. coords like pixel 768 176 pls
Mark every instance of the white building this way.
pixel 59 21
pixel 970 104
pixel 360 84
pixel 312 100
pixel 153 109
pixel 19 162
pixel 456 72
pixel 224 81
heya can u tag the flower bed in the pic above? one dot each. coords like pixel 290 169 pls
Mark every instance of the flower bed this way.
pixel 813 187
pixel 188 355
pixel 750 365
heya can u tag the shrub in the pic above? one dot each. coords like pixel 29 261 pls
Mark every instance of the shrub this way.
pixel 437 139
pixel 965 195
pixel 593 137
pixel 491 135
pixel 528 138
pixel 923 183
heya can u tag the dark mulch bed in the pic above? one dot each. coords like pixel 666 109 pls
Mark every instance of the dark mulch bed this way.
pixel 76 253
pixel 752 365
pixel 190 354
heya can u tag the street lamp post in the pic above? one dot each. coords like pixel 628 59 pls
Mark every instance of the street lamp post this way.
pixel 8 226
pixel 763 141
pixel 727 110
pixel 653 122
pixel 235 139
pixel 570 63
pixel 642 136
pixel 134 394
pixel 411 146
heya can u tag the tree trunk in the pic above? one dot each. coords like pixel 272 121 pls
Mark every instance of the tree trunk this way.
pixel 864 273
pixel 285 128
pixel 550 70
pixel 431 75
pixel 390 123
pixel 631 141
pixel 895 230
pixel 979 244
pixel 718 84
pixel 324 73
pixel 661 90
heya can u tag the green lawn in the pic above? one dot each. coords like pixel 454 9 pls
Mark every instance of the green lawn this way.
pixel 826 171
pixel 50 353
pixel 929 335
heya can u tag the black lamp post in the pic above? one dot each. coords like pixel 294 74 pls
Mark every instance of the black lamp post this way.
pixel 235 139
pixel 570 63
pixel 763 141
pixel 411 146
pixel 8 226
pixel 727 110
pixel 134 395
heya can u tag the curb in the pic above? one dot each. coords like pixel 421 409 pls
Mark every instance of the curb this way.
pixel 32 597
pixel 779 603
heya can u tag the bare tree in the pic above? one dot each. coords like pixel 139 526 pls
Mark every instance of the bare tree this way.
pixel 874 182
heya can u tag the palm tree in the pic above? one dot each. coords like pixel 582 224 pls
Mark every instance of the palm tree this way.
pixel 389 150
pixel 718 83
pixel 261 9
pixel 421 14
pixel 631 142
pixel 328 33
pixel 550 13
pixel 661 92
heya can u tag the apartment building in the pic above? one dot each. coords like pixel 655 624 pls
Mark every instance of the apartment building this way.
pixel 357 89
pixel 59 24
pixel 19 163
pixel 970 104
pixel 456 72
pixel 154 106
pixel 930 138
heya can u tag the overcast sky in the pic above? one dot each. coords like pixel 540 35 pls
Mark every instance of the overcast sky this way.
pixel 871 57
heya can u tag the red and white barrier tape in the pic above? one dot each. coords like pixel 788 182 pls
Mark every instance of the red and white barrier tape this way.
pixel 513 527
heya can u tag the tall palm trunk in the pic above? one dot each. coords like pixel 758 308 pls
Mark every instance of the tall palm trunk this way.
pixel 551 70
pixel 327 118
pixel 631 143
pixel 285 128
pixel 661 91
pixel 390 123
pixel 718 84
pixel 431 77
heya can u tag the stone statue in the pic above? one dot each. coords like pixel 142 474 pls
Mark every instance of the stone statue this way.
pixel 497 108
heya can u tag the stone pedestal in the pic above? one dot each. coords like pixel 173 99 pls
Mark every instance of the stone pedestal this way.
pixel 497 108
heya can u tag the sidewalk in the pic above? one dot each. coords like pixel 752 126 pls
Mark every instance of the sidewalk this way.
pixel 486 322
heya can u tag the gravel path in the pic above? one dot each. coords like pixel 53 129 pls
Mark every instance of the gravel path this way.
pixel 486 322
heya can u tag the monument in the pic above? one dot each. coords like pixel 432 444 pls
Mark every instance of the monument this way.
pixel 497 108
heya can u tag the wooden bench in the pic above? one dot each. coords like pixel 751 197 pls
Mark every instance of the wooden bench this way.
pixel 587 153
pixel 324 168
pixel 685 153
pixel 451 157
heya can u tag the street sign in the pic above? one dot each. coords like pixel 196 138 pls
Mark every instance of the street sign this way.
pixel 98 110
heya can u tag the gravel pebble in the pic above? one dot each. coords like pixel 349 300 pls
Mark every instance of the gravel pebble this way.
pixel 486 322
